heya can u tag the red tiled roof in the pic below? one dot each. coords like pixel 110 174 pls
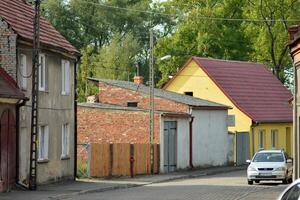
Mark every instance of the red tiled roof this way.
pixel 19 16
pixel 8 87
pixel 251 87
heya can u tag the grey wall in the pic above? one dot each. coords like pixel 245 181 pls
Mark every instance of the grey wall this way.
pixel 55 110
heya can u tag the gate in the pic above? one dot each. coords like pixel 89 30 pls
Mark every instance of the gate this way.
pixel 170 146
pixel 242 147
pixel 7 151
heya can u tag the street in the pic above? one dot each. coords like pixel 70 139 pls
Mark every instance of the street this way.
pixel 229 186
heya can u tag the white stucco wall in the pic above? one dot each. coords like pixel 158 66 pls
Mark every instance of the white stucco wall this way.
pixel 182 142
pixel 210 138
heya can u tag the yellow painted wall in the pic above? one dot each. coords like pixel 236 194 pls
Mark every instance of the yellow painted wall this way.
pixel 284 138
pixel 193 78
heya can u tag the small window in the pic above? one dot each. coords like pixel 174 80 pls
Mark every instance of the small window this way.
pixel 23 72
pixel 65 77
pixel 65 141
pixel 261 138
pixel 274 138
pixel 42 72
pixel 189 93
pixel 231 120
pixel 132 104
pixel 43 143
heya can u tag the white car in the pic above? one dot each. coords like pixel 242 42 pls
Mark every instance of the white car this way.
pixel 292 192
pixel 270 165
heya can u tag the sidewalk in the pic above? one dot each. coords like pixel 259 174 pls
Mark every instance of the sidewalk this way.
pixel 68 189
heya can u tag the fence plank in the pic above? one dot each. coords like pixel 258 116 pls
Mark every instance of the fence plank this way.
pixel 141 158
pixel 100 160
pixel 121 160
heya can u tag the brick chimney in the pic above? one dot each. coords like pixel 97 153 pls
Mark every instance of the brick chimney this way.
pixel 138 80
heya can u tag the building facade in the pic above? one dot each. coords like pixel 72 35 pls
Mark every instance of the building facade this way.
pixel 201 138
pixel 56 122
pixel 294 45
pixel 261 113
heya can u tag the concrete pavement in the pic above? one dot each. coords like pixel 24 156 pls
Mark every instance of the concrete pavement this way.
pixel 71 189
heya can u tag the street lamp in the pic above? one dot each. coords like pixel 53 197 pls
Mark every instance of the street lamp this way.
pixel 151 96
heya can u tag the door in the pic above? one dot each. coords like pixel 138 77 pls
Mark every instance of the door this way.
pixel 7 151
pixel 170 146
pixel 242 147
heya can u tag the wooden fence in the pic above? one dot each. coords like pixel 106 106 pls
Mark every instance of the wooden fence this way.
pixel 122 159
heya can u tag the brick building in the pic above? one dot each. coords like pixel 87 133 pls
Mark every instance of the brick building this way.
pixel 195 127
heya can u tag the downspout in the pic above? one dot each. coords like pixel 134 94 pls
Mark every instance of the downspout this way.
pixel 75 118
pixel 295 125
pixel 191 142
pixel 18 106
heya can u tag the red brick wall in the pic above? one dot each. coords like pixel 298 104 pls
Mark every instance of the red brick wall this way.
pixel 120 96
pixel 114 126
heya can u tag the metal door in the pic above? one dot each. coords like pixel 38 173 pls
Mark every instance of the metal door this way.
pixel 170 146
pixel 7 151
pixel 242 147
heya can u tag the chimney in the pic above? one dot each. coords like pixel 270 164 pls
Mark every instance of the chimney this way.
pixel 138 80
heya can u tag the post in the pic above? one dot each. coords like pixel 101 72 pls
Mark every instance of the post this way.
pixel 295 125
pixel 151 91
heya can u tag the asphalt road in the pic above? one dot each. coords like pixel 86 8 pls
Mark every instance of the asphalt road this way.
pixel 229 186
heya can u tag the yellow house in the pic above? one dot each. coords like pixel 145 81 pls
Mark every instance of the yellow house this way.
pixel 261 116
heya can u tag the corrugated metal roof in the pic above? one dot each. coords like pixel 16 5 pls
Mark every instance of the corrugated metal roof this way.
pixel 251 87
pixel 8 87
pixel 19 15
pixel 181 98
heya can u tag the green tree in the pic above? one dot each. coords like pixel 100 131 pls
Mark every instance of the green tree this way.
pixel 117 60
pixel 200 36
pixel 270 36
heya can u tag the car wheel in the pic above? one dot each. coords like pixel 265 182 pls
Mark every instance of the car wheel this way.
pixel 257 181
pixel 285 181
pixel 290 180
pixel 250 182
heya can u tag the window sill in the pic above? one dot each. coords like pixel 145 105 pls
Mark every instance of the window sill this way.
pixel 65 157
pixel 41 161
pixel 65 94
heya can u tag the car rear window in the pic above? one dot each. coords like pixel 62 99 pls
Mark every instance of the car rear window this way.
pixel 268 157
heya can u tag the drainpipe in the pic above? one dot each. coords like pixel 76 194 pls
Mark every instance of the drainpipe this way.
pixel 295 125
pixel 191 142
pixel 18 106
pixel 75 117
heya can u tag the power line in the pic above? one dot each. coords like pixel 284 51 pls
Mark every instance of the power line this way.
pixel 198 17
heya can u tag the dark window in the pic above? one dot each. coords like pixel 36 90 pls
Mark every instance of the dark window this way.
pixel 189 93
pixel 132 104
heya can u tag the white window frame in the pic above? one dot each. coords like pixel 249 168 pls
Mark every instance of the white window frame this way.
pixel 261 138
pixel 23 72
pixel 65 77
pixel 43 143
pixel 274 137
pixel 42 72
pixel 65 140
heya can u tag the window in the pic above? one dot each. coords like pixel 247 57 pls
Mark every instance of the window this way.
pixel 274 136
pixel 261 138
pixel 231 120
pixel 132 104
pixel 189 93
pixel 42 72
pixel 65 77
pixel 65 137
pixel 23 72
pixel 43 143
pixel 293 193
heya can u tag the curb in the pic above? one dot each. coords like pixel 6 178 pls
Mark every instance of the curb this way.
pixel 129 185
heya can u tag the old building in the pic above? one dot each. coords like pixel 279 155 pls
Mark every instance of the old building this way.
pixel 191 130
pixel 261 115
pixel 56 138
pixel 11 99
pixel 294 45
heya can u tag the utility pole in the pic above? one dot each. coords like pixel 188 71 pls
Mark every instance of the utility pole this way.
pixel 151 91
pixel 34 96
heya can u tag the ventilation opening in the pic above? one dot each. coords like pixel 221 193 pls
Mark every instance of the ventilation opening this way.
pixel 132 104
pixel 189 93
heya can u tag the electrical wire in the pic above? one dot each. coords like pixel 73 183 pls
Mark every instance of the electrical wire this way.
pixel 198 17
